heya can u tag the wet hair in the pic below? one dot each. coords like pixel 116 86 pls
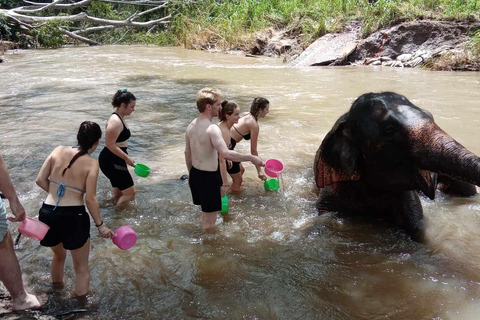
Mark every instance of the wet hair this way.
pixel 258 104
pixel 122 96
pixel 88 133
pixel 207 96
pixel 227 108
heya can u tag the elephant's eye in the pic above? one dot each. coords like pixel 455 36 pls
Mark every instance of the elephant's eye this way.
pixel 389 131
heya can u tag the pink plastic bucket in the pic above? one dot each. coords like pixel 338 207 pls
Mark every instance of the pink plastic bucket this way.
pixel 124 237
pixel 33 228
pixel 273 167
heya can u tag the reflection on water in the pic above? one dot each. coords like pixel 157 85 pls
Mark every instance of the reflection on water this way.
pixel 272 256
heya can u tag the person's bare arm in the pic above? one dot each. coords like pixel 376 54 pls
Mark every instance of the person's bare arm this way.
pixel 219 144
pixel 43 177
pixel 114 128
pixel 254 132
pixel 92 203
pixel 224 174
pixel 7 189
pixel 188 152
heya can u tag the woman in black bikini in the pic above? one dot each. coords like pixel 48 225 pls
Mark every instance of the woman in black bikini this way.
pixel 228 116
pixel 248 129
pixel 67 175
pixel 114 157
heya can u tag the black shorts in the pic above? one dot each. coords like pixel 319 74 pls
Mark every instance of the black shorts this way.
pixel 69 225
pixel 205 187
pixel 235 167
pixel 115 169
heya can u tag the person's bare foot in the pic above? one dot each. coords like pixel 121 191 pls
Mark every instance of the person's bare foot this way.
pixel 29 301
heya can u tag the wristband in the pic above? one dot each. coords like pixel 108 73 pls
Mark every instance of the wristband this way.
pixel 99 225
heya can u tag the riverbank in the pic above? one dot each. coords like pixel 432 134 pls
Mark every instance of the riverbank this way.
pixel 428 44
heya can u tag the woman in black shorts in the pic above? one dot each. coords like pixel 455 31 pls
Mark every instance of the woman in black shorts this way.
pixel 114 157
pixel 67 175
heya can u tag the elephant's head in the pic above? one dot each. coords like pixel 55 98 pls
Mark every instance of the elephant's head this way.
pixel 390 144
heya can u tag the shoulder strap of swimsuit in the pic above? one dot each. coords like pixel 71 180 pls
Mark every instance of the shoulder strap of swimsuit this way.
pixel 237 131
pixel 120 119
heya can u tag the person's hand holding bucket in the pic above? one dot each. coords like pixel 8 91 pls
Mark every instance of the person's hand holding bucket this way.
pixel 124 237
pixel 142 170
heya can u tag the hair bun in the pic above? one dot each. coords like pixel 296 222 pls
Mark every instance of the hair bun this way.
pixel 224 103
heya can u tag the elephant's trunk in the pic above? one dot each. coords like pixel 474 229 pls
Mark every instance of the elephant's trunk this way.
pixel 436 151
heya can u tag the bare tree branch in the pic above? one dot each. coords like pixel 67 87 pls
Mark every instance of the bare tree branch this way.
pixel 92 29
pixel 74 5
pixel 23 16
pixel 83 17
pixel 153 9
pixel 77 37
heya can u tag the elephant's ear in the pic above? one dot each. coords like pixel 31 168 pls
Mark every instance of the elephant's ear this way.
pixel 337 158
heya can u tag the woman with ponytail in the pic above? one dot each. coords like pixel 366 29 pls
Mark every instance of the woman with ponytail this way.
pixel 228 116
pixel 67 175
pixel 248 129
pixel 114 157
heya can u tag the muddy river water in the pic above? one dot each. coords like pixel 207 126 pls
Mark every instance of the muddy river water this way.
pixel 272 256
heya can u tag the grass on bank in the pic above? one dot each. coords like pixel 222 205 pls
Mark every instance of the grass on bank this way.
pixel 233 24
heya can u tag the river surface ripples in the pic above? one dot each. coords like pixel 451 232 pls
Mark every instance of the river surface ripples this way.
pixel 272 256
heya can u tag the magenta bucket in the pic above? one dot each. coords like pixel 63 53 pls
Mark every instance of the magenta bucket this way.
pixel 273 167
pixel 33 228
pixel 124 237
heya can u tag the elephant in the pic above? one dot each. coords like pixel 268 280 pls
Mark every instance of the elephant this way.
pixel 381 153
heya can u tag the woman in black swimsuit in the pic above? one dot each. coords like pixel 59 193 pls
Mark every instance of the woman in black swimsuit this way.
pixel 114 157
pixel 248 129
pixel 228 116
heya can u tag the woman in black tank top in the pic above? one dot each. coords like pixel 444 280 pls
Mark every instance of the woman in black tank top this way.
pixel 114 157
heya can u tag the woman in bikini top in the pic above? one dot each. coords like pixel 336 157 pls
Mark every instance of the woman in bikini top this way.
pixel 69 175
pixel 228 116
pixel 248 129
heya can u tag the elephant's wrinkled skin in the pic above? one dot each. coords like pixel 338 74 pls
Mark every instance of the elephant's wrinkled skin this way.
pixel 381 153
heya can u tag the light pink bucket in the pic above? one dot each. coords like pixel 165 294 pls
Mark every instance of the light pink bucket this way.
pixel 33 228
pixel 124 237
pixel 273 167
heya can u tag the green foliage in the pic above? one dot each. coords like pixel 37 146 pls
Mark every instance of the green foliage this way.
pixel 474 43
pixel 8 4
pixel 234 23
pixel 49 35
pixel 5 30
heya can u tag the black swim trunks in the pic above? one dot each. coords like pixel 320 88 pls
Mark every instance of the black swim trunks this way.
pixel 115 169
pixel 69 225
pixel 205 187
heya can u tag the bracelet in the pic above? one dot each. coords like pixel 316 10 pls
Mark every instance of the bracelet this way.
pixel 99 225
pixel 226 185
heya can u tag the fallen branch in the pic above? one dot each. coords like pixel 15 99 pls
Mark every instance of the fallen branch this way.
pixel 80 38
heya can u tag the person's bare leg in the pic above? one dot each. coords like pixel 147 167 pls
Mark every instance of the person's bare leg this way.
pixel 116 195
pixel 11 276
pixel 237 180
pixel 127 195
pixel 58 264
pixel 80 264
pixel 208 220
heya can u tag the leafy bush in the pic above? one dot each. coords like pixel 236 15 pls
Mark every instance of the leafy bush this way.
pixel 49 34
pixel 5 30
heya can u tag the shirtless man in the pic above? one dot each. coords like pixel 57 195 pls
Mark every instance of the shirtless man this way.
pixel 204 142
pixel 10 273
